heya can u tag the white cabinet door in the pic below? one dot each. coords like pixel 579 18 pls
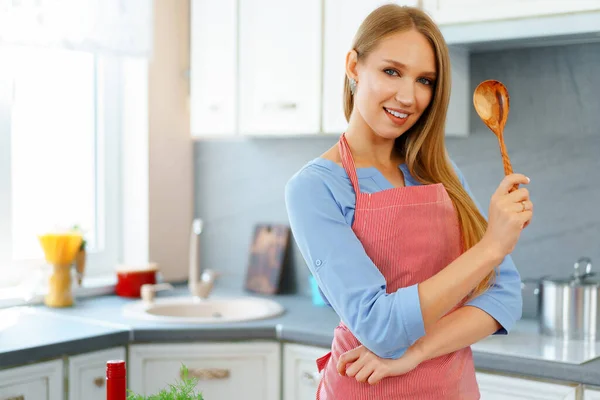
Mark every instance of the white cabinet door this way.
pixel 33 382
pixel 591 394
pixel 226 371
pixel 280 67
pixel 447 12
pixel 342 19
pixel 300 374
pixel 87 373
pixel 499 387
pixel 213 67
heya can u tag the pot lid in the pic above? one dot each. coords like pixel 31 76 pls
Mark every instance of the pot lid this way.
pixel 129 268
pixel 582 275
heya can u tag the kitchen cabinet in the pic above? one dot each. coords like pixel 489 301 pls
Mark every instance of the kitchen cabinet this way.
pixel 448 12
pixel 300 374
pixel 591 393
pixel 37 381
pixel 224 370
pixel 280 67
pixel 213 63
pixel 273 68
pixel 87 373
pixel 501 387
pixel 342 19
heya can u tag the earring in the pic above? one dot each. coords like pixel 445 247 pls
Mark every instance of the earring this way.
pixel 352 86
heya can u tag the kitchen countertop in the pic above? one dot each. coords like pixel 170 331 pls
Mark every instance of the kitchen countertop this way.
pixel 36 333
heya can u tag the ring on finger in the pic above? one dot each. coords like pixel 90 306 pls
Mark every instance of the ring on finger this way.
pixel 524 207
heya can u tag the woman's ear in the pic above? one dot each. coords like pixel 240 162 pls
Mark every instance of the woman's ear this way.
pixel 351 65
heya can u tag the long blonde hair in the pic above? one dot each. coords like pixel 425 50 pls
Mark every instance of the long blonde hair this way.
pixel 423 145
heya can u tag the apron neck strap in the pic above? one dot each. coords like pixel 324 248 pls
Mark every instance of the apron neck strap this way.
pixel 348 162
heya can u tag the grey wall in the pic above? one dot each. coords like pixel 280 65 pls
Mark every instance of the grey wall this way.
pixel 240 183
pixel 552 135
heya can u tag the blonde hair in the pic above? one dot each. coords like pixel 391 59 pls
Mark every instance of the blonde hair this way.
pixel 423 145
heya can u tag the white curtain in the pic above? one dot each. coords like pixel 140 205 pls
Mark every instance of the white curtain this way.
pixel 120 27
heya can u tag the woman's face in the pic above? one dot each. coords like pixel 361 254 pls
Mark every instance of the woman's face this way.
pixel 395 83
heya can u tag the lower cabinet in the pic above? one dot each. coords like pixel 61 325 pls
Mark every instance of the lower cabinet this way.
pixel 300 374
pixel 229 371
pixel 300 380
pixel 226 371
pixel 33 382
pixel 501 387
pixel 87 373
pixel 591 393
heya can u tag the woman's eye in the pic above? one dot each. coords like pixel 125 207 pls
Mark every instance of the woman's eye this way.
pixel 425 81
pixel 390 71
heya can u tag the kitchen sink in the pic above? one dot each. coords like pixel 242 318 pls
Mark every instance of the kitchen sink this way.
pixel 208 311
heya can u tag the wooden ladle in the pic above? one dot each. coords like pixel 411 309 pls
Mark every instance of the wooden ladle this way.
pixel 491 102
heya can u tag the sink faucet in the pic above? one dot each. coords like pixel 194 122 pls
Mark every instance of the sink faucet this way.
pixel 199 288
pixel 148 291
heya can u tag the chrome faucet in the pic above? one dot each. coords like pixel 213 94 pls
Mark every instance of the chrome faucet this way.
pixel 199 288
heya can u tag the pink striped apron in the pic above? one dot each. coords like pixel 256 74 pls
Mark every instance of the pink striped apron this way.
pixel 410 233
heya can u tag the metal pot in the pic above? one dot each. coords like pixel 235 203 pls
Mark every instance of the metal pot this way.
pixel 568 307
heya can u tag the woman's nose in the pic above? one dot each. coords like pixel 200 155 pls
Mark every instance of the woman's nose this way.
pixel 405 94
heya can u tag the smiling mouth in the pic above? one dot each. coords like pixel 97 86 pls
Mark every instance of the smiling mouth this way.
pixel 396 113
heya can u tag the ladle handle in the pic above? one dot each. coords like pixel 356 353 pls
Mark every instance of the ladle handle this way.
pixel 506 161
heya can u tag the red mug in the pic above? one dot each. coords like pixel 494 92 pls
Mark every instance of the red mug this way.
pixel 131 278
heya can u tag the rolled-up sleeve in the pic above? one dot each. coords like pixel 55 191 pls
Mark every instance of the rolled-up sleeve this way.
pixel 387 324
pixel 503 300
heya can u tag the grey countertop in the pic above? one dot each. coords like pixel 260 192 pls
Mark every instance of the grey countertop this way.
pixel 36 333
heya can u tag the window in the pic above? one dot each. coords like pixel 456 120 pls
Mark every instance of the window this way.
pixel 59 155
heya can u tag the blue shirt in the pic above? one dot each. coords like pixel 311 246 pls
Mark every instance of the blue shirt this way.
pixel 320 203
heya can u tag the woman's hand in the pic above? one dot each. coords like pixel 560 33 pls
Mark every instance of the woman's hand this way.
pixel 510 211
pixel 365 366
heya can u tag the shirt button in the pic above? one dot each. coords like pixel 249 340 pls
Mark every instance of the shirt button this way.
pixel 318 263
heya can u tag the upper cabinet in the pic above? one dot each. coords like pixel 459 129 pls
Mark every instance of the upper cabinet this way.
pixel 280 67
pixel 213 59
pixel 277 67
pixel 447 12
pixel 255 67
pixel 342 19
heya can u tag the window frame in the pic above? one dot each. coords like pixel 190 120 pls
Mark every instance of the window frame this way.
pixel 109 114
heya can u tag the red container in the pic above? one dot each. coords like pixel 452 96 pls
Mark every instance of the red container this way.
pixel 116 380
pixel 130 279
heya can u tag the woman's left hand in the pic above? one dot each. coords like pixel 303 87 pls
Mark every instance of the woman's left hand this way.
pixel 365 366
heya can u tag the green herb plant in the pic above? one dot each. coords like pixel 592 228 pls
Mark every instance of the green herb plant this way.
pixel 181 390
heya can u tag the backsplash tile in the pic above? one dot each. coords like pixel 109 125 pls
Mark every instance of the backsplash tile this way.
pixel 552 135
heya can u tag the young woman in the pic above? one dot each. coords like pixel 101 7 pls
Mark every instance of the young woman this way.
pixel 388 227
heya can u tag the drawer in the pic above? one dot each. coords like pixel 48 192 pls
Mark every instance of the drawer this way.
pixel 300 374
pixel 87 373
pixel 30 390
pixel 33 382
pixel 224 370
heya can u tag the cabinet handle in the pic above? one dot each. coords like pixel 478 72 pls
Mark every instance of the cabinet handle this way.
pixel 21 397
pixel 206 374
pixel 99 381
pixel 311 378
pixel 280 105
